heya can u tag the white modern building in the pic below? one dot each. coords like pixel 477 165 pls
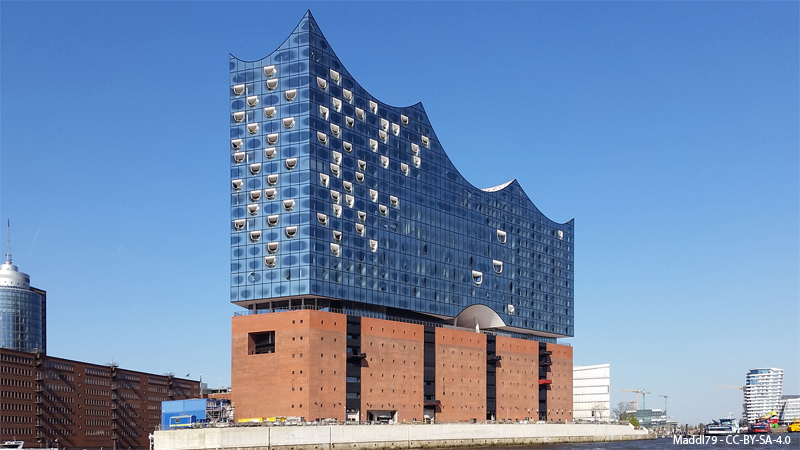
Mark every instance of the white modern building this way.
pixel 789 409
pixel 591 393
pixel 762 392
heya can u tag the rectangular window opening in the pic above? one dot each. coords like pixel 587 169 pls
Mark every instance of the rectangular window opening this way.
pixel 261 343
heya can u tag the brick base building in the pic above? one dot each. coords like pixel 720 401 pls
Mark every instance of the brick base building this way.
pixel 319 364
pixel 55 402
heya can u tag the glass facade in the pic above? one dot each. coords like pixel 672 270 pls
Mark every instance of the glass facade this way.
pixel 22 311
pixel 336 195
pixel 21 320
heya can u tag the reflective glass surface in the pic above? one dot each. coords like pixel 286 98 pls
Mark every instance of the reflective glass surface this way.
pixel 20 319
pixel 382 215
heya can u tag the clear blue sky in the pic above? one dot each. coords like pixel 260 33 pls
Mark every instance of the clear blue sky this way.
pixel 668 130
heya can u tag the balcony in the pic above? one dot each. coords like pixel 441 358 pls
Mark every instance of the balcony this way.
pixel 356 356
pixel 432 403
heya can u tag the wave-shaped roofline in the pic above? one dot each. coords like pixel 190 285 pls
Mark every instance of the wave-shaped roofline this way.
pixel 490 190
pixel 311 16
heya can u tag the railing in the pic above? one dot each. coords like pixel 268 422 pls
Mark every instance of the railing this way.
pixel 328 422
pixel 374 315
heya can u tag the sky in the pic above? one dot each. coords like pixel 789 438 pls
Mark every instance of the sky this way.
pixel 668 130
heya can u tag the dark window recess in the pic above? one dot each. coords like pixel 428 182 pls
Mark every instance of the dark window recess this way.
pixel 544 367
pixel 429 371
pixel 491 376
pixel 353 365
pixel 262 343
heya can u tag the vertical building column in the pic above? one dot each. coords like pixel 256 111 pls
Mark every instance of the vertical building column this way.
pixel 544 382
pixel 430 404
pixel 491 376
pixel 353 371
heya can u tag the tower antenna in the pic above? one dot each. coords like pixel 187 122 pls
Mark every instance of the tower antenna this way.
pixel 8 242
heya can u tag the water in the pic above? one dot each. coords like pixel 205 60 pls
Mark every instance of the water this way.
pixel 761 442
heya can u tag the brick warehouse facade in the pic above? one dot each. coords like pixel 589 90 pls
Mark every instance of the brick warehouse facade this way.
pixel 320 364
pixel 54 402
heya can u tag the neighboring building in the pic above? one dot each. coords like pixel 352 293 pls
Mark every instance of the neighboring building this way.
pixel 591 393
pixel 186 413
pixel 23 311
pixel 762 392
pixel 651 418
pixel 349 209
pixel 789 408
pixel 49 402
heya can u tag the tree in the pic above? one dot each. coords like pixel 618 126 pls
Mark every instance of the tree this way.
pixel 621 410
pixel 598 410
pixel 634 421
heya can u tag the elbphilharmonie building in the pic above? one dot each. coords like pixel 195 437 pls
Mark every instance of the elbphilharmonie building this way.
pixel 343 204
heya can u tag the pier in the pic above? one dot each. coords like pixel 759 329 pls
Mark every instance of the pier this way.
pixel 361 437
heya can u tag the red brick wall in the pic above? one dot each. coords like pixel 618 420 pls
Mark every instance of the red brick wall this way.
pixel 460 375
pixel 79 403
pixel 312 344
pixel 517 379
pixel 305 376
pixel 559 398
pixel 393 376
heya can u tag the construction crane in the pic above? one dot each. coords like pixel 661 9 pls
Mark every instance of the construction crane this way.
pixel 665 402
pixel 741 388
pixel 637 395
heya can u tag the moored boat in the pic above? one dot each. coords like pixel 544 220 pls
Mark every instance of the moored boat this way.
pixel 722 427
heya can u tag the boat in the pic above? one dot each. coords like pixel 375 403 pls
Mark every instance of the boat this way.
pixel 12 445
pixel 794 427
pixel 759 428
pixel 723 427
pixel 20 445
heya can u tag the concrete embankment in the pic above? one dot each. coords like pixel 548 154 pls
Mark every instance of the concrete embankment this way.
pixel 362 437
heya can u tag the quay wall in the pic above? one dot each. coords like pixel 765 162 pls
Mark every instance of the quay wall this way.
pixel 362 437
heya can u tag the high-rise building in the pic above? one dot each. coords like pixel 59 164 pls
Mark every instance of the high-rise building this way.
pixel 23 310
pixel 591 392
pixel 356 242
pixel 762 392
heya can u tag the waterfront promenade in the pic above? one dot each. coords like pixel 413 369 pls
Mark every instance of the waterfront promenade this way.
pixel 359 437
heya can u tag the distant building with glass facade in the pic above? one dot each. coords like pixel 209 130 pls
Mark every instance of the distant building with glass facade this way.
pixel 762 392
pixel 339 200
pixel 23 310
